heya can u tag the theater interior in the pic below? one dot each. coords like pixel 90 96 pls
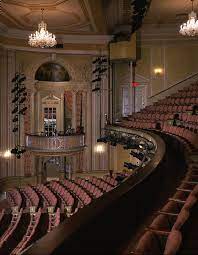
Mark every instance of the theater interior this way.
pixel 98 127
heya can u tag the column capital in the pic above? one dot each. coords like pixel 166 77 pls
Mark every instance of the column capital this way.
pixel 74 92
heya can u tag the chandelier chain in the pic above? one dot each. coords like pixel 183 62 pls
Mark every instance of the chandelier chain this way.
pixel 192 5
pixel 42 10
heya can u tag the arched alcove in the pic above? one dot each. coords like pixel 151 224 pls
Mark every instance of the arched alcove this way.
pixel 51 71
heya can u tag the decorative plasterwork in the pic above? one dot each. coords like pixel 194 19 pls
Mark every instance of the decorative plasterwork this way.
pixel 84 39
pixel 77 22
pixel 62 86
pixel 80 72
pixel 50 98
pixel 61 16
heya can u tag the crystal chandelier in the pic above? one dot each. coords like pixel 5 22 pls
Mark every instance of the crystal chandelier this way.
pixel 190 28
pixel 42 38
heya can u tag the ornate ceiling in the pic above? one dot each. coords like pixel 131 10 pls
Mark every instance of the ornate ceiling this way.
pixel 78 21
pixel 169 11
pixel 87 16
pixel 62 16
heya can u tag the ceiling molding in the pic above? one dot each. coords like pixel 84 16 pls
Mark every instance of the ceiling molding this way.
pixel 82 39
pixel 68 48
pixel 33 4
pixel 57 51
pixel 62 16
pixel 96 15
pixel 163 33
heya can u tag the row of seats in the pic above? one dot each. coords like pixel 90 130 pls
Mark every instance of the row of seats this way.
pixel 193 127
pixel 138 124
pixel 29 211
pixel 180 108
pixel 165 234
pixel 168 108
pixel 168 232
pixel 187 100
pixel 192 87
pixel 92 189
pixel 54 220
pixel 78 192
pixel 151 116
pixel 100 183
pixel 66 198
pixel 34 221
pixel 11 227
pixel 185 135
pixel 30 196
pixel 66 191
pixel 49 199
pixel 112 181
pixel 14 198
pixel 187 118
pixel 24 228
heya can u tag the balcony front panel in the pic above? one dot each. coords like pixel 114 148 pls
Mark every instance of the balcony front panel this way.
pixel 55 143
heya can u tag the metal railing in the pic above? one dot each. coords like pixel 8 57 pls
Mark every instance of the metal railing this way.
pixel 174 88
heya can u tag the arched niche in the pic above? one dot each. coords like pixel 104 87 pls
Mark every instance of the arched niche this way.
pixel 52 72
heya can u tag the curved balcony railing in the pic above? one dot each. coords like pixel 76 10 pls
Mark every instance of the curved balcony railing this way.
pixel 55 144
pixel 132 185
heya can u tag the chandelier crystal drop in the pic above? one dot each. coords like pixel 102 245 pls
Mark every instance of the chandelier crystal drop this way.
pixel 42 38
pixel 190 28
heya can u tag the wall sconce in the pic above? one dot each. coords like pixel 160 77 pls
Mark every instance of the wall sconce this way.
pixel 158 71
pixel 7 154
pixel 99 148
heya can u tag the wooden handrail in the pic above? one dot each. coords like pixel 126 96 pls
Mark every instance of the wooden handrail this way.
pixel 47 244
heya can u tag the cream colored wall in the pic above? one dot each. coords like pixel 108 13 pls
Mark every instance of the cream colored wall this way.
pixel 178 61
pixel 8 166
pixel 122 78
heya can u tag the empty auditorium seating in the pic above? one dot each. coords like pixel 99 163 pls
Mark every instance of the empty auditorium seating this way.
pixel 30 196
pixel 110 180
pixel 177 117
pixel 101 184
pixel 165 233
pixel 66 198
pixel 48 198
pixel 12 226
pixel 183 103
pixel 54 220
pixel 38 209
pixel 34 221
pixel 92 189
pixel 79 192
pixel 14 198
